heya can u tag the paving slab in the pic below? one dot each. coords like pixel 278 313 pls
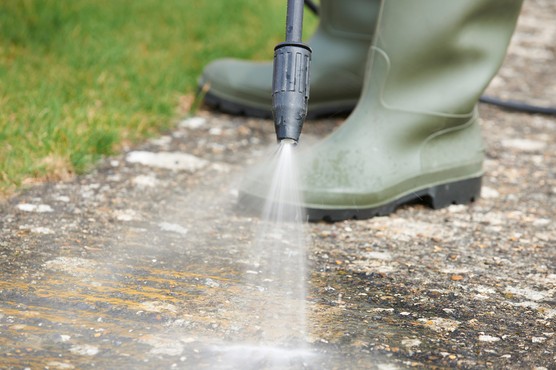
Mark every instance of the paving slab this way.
pixel 141 263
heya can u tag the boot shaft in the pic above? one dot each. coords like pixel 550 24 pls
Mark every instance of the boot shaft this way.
pixel 352 19
pixel 340 49
pixel 437 56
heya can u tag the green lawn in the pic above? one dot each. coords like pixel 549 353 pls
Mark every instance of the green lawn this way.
pixel 78 78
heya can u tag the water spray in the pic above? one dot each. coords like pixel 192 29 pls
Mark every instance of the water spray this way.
pixel 290 83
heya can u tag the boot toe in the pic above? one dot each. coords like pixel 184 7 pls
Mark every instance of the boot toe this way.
pixel 240 83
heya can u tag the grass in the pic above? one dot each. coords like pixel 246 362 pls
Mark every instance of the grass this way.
pixel 79 79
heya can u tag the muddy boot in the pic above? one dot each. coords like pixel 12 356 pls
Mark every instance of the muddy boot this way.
pixel 414 135
pixel 340 45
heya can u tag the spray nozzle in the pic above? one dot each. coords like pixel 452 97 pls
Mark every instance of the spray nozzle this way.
pixel 290 89
pixel 290 84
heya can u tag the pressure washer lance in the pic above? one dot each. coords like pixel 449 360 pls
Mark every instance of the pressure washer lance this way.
pixel 290 84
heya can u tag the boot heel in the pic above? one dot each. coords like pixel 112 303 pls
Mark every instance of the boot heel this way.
pixel 458 192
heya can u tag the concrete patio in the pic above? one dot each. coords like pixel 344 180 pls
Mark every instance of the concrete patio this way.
pixel 139 264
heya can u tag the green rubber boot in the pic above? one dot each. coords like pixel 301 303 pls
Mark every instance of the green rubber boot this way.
pixel 340 45
pixel 414 135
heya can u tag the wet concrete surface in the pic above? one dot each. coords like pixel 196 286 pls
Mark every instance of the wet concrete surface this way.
pixel 140 264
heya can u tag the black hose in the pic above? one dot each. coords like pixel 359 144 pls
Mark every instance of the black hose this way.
pixel 314 8
pixel 517 105
pixel 506 104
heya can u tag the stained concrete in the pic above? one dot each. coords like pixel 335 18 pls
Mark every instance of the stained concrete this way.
pixel 141 263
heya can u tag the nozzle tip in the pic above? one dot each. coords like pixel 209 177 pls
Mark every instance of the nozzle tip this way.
pixel 288 141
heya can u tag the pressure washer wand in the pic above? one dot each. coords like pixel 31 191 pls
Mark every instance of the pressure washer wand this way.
pixel 290 84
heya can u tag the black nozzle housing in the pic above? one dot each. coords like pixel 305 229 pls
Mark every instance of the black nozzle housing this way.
pixel 290 89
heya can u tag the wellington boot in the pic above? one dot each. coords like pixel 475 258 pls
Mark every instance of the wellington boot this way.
pixel 339 45
pixel 414 135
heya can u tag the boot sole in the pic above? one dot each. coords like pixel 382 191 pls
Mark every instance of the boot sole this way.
pixel 238 109
pixel 438 196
